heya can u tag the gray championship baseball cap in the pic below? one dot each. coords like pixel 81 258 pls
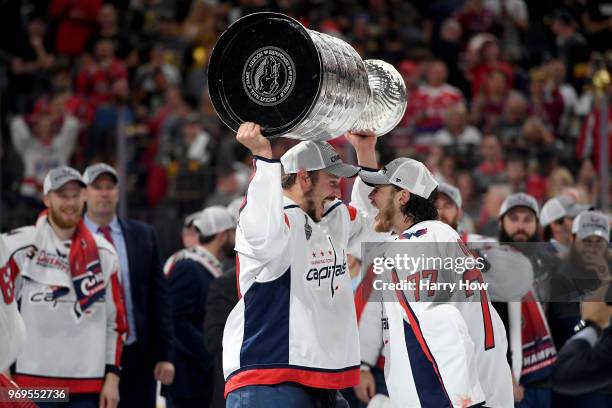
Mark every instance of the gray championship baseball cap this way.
pixel 190 219
pixel 408 174
pixel 212 220
pixel 519 200
pixel 452 192
pixel 559 207
pixel 96 170
pixel 591 223
pixel 59 176
pixel 312 156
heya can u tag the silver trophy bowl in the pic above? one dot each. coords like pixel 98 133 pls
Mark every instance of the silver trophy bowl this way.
pixel 298 83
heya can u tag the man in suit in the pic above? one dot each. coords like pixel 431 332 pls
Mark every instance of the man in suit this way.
pixel 222 297
pixel 147 353
pixel 190 277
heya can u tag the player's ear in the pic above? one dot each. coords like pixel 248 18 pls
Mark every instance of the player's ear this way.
pixel 404 196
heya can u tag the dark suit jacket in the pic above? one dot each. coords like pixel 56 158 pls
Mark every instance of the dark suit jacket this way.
pixel 149 291
pixel 581 368
pixel 222 297
pixel 188 282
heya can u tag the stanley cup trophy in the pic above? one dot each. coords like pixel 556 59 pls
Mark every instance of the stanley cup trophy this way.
pixel 269 69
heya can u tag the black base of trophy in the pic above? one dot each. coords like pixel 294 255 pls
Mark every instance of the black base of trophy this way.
pixel 266 69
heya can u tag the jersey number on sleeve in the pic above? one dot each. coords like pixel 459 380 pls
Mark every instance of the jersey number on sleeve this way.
pixel 474 275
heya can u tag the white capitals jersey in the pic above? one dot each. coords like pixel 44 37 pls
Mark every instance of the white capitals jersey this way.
pixel 451 352
pixel 295 320
pixel 12 330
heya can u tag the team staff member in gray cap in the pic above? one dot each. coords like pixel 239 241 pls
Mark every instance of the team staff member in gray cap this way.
pixel 147 353
pixel 586 270
pixel 531 364
pixel 189 279
pixel 583 364
pixel 70 300
pixel 556 220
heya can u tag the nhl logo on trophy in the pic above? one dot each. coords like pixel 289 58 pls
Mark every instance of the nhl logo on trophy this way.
pixel 269 69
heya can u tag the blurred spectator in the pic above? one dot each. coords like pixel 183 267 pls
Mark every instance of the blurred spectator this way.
pixel 401 137
pixel 492 200
pixel 192 143
pixel 544 102
pixel 475 18
pixel 513 17
pixel 492 165
pixel 42 144
pixel 488 58
pixel 556 72
pixel 516 174
pixel 168 35
pixel 597 21
pixel 228 187
pixel 101 144
pixel 537 141
pixel 458 138
pixel 571 46
pixel 108 29
pixel 32 62
pixel 488 106
pixel 457 135
pixel 509 127
pixel 449 48
pixel 200 26
pixel 76 23
pixel 152 77
pixel 97 75
pixel 588 181
pixel 588 145
pixel 559 179
pixel 427 105
pixel 470 200
pixel 63 99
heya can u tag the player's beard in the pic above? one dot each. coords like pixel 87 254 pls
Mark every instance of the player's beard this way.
pixel 384 219
pixel 62 222
pixel 310 207
pixel 518 236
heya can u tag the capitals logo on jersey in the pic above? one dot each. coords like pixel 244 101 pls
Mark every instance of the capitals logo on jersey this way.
pixel 415 234
pixel 324 266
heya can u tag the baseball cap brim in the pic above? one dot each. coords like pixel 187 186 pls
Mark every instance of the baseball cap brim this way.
pixel 75 179
pixel 373 178
pixel 342 170
pixel 576 209
pixel 593 233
